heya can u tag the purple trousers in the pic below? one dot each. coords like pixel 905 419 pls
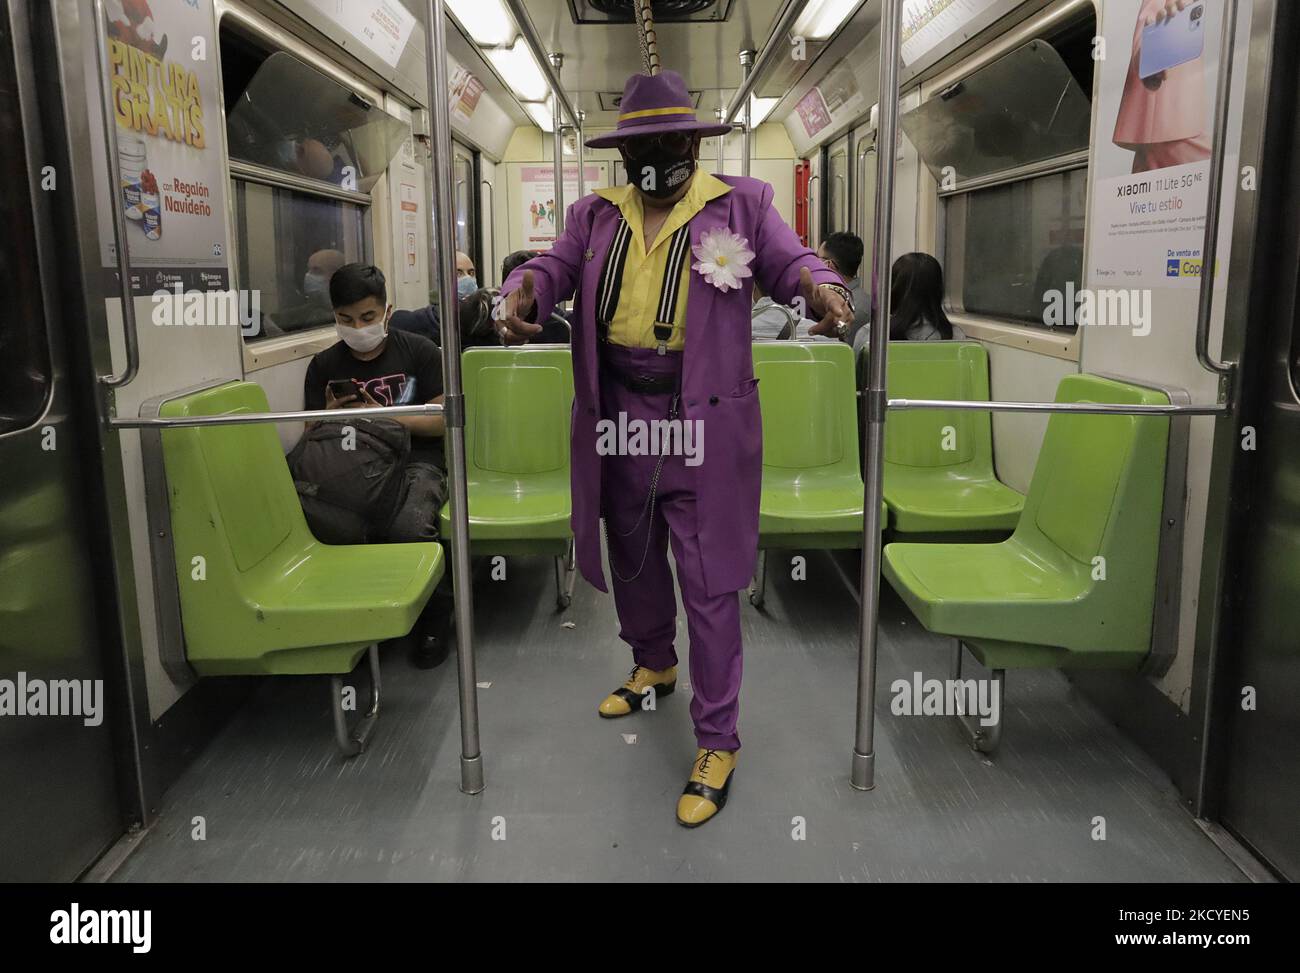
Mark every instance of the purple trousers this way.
pixel 646 604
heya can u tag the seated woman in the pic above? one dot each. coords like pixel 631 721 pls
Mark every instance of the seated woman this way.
pixel 916 304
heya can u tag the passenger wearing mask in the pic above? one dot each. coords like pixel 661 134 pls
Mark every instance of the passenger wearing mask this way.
pixel 915 304
pixel 314 310
pixel 842 253
pixel 373 365
pixel 426 321
pixel 675 250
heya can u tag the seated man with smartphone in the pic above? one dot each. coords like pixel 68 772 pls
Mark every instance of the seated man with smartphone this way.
pixel 371 365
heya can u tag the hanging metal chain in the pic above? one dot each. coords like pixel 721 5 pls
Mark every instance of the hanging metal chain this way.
pixel 645 30
pixel 647 513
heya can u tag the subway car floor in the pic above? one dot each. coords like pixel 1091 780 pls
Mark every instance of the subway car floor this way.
pixel 570 796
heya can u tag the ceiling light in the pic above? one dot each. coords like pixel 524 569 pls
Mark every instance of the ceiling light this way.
pixel 541 114
pixel 759 109
pixel 486 20
pixel 822 18
pixel 519 70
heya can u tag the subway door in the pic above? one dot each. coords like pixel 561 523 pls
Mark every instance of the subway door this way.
pixel 1261 668
pixel 59 802
pixel 465 205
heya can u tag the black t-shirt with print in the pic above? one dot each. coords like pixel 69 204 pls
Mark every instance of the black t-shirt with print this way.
pixel 407 372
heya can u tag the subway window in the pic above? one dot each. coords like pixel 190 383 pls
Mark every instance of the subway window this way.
pixel 24 349
pixel 1008 146
pixel 305 152
pixel 1008 245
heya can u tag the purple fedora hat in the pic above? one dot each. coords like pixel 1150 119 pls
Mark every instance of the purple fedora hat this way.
pixel 654 104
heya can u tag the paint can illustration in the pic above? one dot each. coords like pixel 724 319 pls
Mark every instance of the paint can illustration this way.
pixel 149 206
pixel 131 163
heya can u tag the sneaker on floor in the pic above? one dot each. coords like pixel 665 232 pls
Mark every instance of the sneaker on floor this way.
pixel 706 789
pixel 628 697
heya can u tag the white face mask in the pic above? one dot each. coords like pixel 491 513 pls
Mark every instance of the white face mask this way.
pixel 363 339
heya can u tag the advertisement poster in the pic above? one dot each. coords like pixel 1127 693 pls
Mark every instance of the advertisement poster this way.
pixel 813 112
pixel 465 92
pixel 171 182
pixel 928 23
pixel 410 201
pixel 383 26
pixel 538 200
pixel 1150 177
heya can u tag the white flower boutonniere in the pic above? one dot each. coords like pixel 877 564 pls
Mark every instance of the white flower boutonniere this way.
pixel 723 258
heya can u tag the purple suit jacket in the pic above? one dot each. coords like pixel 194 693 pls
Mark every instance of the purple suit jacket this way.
pixel 718 384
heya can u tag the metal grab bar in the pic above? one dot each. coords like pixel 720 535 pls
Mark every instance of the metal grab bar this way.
pixel 775 46
pixel 862 773
pixel 492 227
pixel 811 203
pixel 129 332
pixel 1210 248
pixel 865 151
pixel 582 155
pixel 303 415
pixel 557 151
pixel 746 69
pixel 442 273
pixel 1094 408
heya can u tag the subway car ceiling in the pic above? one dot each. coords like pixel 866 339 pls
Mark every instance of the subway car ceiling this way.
pixel 326 144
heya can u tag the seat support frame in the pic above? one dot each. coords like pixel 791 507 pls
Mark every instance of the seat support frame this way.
pixel 983 739
pixel 758 587
pixel 566 575
pixel 352 740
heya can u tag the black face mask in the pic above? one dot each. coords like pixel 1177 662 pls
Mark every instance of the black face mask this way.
pixel 660 174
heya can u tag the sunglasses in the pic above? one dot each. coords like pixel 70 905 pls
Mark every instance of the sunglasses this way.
pixel 672 143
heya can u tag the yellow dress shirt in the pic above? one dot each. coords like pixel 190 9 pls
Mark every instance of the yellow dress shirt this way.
pixel 643 273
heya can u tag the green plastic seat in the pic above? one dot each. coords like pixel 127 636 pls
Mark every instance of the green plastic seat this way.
pixel 812 481
pixel 1038 599
pixel 267 597
pixel 930 489
pixel 518 410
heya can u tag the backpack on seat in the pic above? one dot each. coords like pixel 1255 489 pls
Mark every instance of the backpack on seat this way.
pixel 351 495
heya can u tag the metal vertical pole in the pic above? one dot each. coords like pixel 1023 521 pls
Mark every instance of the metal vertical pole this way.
pixel 442 269
pixel 722 143
pixel 746 66
pixel 582 158
pixel 557 62
pixel 863 774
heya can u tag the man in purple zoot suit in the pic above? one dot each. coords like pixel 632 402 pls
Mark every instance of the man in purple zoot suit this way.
pixel 661 273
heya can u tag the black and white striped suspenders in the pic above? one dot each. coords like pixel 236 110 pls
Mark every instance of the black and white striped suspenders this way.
pixel 611 283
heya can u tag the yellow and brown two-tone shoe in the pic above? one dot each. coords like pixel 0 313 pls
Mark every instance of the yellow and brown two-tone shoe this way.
pixel 628 697
pixel 706 789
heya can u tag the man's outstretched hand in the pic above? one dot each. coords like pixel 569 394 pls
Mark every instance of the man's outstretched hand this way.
pixel 824 304
pixel 517 305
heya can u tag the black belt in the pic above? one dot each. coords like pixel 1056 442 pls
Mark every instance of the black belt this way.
pixel 644 384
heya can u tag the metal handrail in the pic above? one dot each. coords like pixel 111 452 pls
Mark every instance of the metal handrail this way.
pixel 302 415
pixel 582 156
pixel 442 272
pixel 492 225
pixel 747 127
pixel 1218 152
pixel 808 193
pixel 862 774
pixel 129 331
pixel 557 150
pixel 775 46
pixel 1095 408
